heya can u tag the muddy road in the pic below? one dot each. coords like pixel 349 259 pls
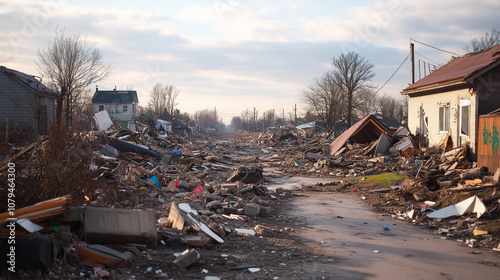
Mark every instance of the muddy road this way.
pixel 352 242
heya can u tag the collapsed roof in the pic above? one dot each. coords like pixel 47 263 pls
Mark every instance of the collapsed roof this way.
pixel 366 130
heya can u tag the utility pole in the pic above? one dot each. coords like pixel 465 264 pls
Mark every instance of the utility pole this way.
pixel 215 118
pixel 412 55
pixel 255 118
pixel 283 119
pixel 295 110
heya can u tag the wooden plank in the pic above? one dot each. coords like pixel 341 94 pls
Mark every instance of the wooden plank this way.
pixel 488 142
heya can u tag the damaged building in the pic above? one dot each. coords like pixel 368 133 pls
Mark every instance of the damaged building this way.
pixel 25 102
pixel 445 105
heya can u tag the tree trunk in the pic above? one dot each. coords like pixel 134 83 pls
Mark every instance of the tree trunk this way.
pixel 349 110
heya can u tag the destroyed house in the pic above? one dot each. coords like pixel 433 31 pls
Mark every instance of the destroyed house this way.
pixel 25 102
pixel 444 107
pixel 365 131
pixel 121 105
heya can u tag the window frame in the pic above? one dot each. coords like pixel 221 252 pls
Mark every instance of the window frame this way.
pixel 444 118
pixel 464 104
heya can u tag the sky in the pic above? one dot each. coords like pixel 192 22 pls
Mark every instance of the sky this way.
pixel 234 55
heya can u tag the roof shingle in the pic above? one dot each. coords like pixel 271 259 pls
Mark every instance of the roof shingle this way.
pixel 115 96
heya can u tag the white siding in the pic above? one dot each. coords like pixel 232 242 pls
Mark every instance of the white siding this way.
pixel 118 106
pixel 430 105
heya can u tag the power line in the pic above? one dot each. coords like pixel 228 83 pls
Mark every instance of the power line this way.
pixel 393 74
pixel 433 47
pixel 435 64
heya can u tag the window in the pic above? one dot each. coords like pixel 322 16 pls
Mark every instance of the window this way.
pixel 464 117
pixel 124 108
pixel 101 108
pixel 444 118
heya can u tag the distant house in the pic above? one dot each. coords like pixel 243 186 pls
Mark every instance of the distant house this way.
pixel 120 104
pixel 25 101
pixel 446 104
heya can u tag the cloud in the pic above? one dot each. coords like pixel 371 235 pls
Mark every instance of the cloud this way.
pixel 243 54
pixel 237 21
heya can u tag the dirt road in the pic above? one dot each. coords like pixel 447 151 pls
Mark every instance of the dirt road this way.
pixel 339 227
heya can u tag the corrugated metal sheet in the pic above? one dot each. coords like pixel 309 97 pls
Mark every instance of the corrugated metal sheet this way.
pixel 488 142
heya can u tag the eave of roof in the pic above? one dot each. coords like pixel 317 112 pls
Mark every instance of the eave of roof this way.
pixel 459 83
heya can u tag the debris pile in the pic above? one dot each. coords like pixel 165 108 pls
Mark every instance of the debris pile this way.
pixel 150 203
pixel 153 195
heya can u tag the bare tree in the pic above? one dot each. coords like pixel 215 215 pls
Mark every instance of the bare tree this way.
pixel 162 101
pixel 247 119
pixel 352 72
pixel 326 99
pixel 206 118
pixel 366 103
pixel 387 106
pixel 236 123
pixel 71 65
pixel 268 117
pixel 488 40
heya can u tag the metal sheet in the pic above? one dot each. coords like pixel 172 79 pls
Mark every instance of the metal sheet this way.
pixel 471 205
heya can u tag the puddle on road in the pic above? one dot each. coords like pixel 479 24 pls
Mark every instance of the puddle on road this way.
pixel 276 179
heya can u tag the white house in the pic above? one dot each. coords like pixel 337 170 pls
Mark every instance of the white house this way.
pixel 120 104
pixel 448 102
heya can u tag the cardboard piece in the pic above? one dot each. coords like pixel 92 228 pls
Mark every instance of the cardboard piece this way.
pixel 175 217
pixel 119 226
pixel 470 205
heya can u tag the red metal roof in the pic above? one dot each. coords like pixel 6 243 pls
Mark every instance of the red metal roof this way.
pixel 459 69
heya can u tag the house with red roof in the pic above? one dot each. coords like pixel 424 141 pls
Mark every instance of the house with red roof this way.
pixel 446 104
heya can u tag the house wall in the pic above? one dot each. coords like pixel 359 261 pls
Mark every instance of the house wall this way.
pixel 430 105
pixel 487 87
pixel 119 107
pixel 17 103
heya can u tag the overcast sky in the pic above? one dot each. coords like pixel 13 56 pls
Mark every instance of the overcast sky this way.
pixel 238 54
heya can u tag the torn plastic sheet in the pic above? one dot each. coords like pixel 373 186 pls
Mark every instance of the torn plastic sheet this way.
pixel 470 205
pixel 103 120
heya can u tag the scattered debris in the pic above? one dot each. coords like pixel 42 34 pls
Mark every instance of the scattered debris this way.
pixel 154 193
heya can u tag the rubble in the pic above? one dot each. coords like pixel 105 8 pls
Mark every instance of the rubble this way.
pixel 154 194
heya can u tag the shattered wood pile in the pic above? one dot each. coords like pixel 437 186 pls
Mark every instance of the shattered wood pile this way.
pixel 168 205
pixel 156 193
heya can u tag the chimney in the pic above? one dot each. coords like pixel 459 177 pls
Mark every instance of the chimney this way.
pixel 114 88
